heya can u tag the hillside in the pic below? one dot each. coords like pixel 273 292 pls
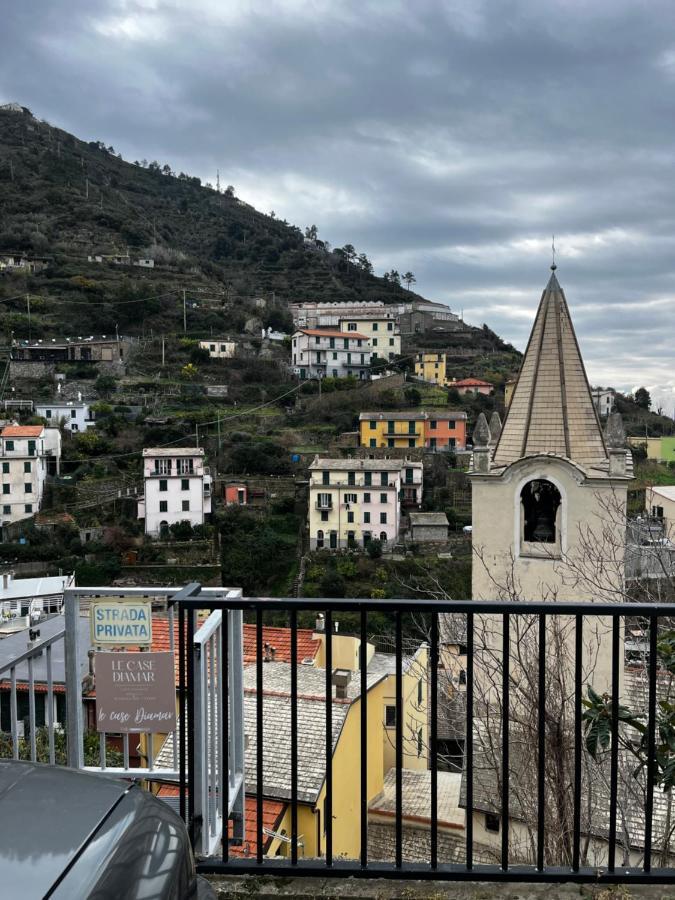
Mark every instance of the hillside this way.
pixel 67 199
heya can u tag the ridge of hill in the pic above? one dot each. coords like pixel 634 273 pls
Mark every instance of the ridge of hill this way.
pixel 68 199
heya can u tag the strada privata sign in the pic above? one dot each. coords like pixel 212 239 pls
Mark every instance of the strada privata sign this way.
pixel 119 622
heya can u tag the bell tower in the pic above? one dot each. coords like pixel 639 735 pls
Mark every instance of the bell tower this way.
pixel 549 490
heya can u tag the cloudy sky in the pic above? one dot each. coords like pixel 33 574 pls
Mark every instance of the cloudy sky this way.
pixel 449 137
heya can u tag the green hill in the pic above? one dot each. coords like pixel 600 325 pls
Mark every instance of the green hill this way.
pixel 67 199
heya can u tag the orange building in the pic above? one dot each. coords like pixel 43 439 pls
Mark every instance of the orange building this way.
pixel 445 431
pixel 235 493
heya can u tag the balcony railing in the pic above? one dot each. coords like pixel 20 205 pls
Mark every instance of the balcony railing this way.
pixel 548 853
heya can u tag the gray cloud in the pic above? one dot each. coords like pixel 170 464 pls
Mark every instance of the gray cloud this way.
pixel 448 137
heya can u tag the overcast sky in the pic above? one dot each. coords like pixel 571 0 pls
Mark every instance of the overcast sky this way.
pixel 449 137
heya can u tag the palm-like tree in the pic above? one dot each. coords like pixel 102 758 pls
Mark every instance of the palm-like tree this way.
pixel 409 279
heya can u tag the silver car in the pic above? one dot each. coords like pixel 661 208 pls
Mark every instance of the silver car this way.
pixel 66 834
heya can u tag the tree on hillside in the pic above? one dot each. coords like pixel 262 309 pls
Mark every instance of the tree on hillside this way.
pixel 642 398
pixel 311 232
pixel 392 277
pixel 349 253
pixel 409 279
pixel 365 265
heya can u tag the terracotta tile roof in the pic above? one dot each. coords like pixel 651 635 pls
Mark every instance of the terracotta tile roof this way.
pixel 280 639
pixel 471 382
pixel 28 431
pixel 272 813
pixel 325 332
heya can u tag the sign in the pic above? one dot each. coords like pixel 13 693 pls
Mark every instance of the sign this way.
pixel 135 692
pixel 118 622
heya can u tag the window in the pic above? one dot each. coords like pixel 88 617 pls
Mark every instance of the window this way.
pixel 162 467
pixel 372 424
pixel 212 348
pixel 9 445
pixel 462 676
pixel 491 822
pixel 391 427
pixel 359 343
pixel 391 442
pixel 374 326
pixel 163 484
pixel 349 359
pixel 390 717
pixel 184 466
pixel 383 537
pixel 366 498
pixel 367 478
pixel 48 414
pixel 451 424
pixel 366 518
pixel 351 477
pixel 539 502
pixel 5 489
pixel 324 516
pixel 432 443
pixel 345 344
pixel 420 743
pixel 163 506
pixel 331 343
pixel 6 510
pixel 383 518
pixel 409 473
pixel 657 511
pixel 5 468
pixel 325 501
pixel 334 372
pixel 391 342
pixel 325 478
pixel 384 479
pixel 350 516
pixel 185 505
pixel 223 348
pixel 420 692
pixel 351 498
pixel 28 488
pixel 373 442
pixel 384 498
pixel 185 484
pixel 411 428
pixel 390 326
pixel 374 342
pixel 351 326
pixel 411 442
pixel 73 414
pixel 319 539
pixel 432 424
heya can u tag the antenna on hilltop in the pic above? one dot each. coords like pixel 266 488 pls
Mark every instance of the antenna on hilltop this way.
pixel 218 180
pixel 553 265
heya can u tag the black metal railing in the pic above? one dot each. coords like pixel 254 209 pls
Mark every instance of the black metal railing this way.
pixel 503 862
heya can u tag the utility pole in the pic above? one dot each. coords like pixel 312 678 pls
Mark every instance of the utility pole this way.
pixel 28 311
pixel 218 426
pixel 184 314
pixel 196 435
pixel 162 351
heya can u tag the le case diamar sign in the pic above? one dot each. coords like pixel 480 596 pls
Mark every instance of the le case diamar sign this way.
pixel 119 622
pixel 135 692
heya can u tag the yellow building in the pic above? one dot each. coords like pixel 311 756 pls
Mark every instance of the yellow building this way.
pixel 401 430
pixel 383 333
pixel 431 367
pixel 509 388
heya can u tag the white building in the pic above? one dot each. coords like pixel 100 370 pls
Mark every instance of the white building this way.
pixel 23 599
pixel 28 453
pixel 177 488
pixel 381 330
pixel 219 348
pixel 353 501
pixel 603 398
pixel 74 416
pixel 313 314
pixel 319 353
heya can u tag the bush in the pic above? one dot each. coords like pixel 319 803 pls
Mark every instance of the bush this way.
pixel 374 549
pixel 332 584
pixel 182 531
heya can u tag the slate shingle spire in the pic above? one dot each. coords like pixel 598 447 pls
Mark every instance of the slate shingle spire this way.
pixel 552 410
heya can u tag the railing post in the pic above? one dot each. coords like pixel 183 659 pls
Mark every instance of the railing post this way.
pixel 74 725
pixel 236 663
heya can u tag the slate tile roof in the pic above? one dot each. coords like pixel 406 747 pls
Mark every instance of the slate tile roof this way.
pixel 416 795
pixel 552 410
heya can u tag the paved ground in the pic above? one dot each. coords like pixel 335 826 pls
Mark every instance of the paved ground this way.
pixel 381 889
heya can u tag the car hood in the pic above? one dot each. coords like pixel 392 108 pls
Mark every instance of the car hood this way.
pixel 47 816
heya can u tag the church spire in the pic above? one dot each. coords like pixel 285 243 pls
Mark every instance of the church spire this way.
pixel 552 409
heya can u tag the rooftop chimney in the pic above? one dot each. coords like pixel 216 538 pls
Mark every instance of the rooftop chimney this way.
pixel 615 438
pixel 319 625
pixel 341 679
pixel 6 580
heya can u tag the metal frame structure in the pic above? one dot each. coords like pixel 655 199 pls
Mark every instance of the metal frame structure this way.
pixel 328 865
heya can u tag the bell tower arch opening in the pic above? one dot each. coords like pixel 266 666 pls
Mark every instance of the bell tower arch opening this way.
pixel 540 513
